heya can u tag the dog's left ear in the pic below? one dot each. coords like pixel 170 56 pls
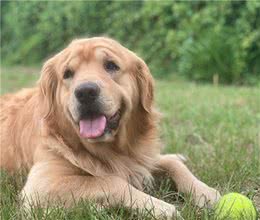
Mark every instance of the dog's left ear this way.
pixel 145 84
pixel 48 84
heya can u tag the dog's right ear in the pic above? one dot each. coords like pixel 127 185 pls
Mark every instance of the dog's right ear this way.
pixel 48 85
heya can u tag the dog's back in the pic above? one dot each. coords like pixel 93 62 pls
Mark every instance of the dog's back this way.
pixel 16 111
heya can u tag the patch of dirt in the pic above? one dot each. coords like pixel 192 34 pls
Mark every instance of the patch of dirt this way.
pixel 257 200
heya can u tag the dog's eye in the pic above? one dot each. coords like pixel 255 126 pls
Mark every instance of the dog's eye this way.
pixel 68 74
pixel 110 66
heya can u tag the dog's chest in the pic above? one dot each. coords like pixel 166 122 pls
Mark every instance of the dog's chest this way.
pixel 135 172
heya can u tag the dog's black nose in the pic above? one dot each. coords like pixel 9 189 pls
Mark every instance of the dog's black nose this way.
pixel 87 93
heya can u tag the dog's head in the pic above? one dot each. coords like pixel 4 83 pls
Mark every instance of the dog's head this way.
pixel 98 85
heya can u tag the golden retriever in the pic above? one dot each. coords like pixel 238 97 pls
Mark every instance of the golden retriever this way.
pixel 88 130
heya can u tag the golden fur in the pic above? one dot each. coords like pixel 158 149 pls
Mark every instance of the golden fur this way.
pixel 38 133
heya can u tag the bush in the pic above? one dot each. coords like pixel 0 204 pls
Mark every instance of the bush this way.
pixel 215 52
pixel 193 39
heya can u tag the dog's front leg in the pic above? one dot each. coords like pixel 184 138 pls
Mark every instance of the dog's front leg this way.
pixel 54 181
pixel 186 182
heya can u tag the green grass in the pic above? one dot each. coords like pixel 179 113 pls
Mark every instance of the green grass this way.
pixel 217 128
pixel 12 79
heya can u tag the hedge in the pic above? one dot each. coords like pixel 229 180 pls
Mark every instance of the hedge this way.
pixel 193 39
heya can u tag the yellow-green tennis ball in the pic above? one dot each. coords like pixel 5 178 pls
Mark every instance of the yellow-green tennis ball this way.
pixel 235 206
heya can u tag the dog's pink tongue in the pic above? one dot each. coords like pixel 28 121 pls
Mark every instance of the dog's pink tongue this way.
pixel 92 128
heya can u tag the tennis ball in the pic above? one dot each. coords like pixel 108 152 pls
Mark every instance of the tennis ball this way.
pixel 235 206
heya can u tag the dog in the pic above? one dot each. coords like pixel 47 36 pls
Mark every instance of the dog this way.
pixel 88 130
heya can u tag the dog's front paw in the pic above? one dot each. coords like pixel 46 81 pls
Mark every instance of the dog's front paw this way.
pixel 204 195
pixel 163 210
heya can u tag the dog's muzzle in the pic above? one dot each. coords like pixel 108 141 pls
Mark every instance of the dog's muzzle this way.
pixel 93 122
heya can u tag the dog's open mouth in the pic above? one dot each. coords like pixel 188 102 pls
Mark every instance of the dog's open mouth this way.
pixel 96 126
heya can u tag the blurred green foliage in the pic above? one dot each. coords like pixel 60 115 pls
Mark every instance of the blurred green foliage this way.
pixel 194 39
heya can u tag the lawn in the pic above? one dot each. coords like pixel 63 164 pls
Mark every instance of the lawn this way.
pixel 216 128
